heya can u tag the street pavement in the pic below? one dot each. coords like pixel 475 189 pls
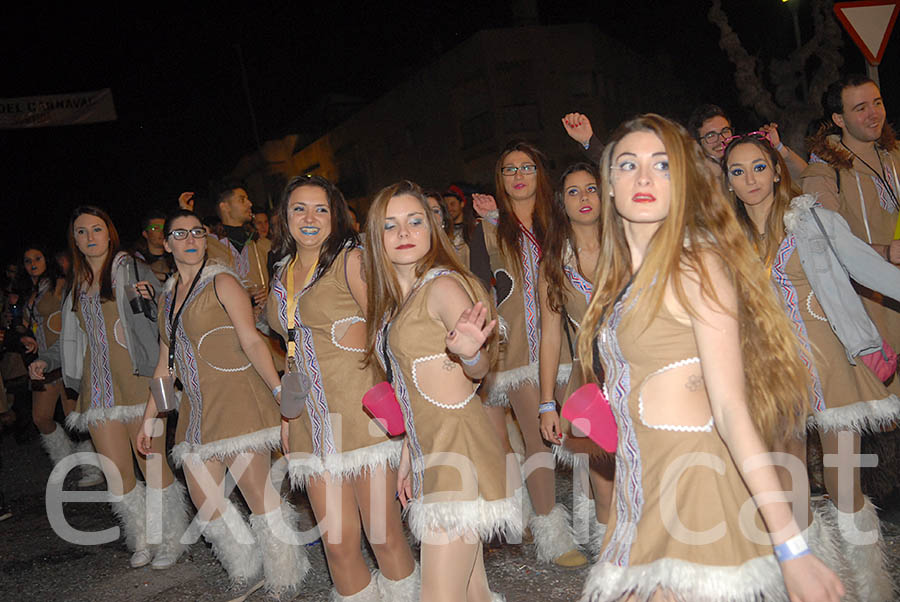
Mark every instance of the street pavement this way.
pixel 36 564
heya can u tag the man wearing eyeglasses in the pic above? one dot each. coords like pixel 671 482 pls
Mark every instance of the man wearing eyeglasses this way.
pixel 150 246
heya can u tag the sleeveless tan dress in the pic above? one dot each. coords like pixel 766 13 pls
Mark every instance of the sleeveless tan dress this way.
pixel 515 292
pixel 460 481
pixel 109 388
pixel 226 407
pixel 843 396
pixel 675 523
pixel 46 325
pixel 335 434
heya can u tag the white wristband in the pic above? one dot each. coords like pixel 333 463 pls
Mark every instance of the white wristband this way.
pixel 795 547
pixel 471 362
pixel 276 391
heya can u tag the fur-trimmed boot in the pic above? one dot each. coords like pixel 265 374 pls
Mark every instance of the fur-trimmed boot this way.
pixel 283 556
pixel 367 594
pixel 405 590
pixel 495 597
pixel 234 545
pixel 91 475
pixel 169 525
pixel 554 540
pixel 59 446
pixel 131 510
pixel 825 542
pixel 870 575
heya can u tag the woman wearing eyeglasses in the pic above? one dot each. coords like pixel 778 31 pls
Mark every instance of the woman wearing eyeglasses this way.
pixel 505 256
pixel 811 255
pixel 107 348
pixel 229 420
pixel 343 460
pixel 702 373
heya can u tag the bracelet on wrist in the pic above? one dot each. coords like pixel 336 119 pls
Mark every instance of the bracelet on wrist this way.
pixel 780 146
pixel 276 391
pixel 471 361
pixel 587 144
pixel 547 406
pixel 795 547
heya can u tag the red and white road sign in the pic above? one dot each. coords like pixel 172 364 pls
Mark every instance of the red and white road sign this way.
pixel 869 23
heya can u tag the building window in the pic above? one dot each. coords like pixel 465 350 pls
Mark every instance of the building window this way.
pixel 477 129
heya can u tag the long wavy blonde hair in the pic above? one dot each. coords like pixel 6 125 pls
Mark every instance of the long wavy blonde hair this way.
pixel 383 294
pixel 702 221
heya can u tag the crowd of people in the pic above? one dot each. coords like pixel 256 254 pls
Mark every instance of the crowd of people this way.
pixel 725 294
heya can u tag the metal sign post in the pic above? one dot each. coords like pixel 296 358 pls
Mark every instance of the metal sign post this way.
pixel 869 23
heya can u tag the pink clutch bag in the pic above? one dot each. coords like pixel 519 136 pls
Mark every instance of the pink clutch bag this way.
pixel 382 405
pixel 588 410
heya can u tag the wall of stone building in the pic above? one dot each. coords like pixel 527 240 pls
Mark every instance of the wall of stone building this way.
pixel 450 120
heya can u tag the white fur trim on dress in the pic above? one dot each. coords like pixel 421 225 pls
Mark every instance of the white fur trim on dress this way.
pixel 260 441
pixel 755 580
pixel 563 373
pixel 82 421
pixel 488 519
pixel 502 383
pixel 863 416
pixel 345 465
pixel 565 457
pixel 552 533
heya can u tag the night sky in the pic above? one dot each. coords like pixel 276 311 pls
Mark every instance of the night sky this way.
pixel 183 117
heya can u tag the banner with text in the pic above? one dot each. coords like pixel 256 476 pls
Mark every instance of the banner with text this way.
pixel 57 109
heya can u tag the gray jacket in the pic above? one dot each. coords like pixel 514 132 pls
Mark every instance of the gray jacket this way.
pixel 141 333
pixel 829 267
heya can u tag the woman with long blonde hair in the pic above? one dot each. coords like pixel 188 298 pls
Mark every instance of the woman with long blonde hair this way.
pixel 430 324
pixel 505 255
pixel 811 254
pixel 702 372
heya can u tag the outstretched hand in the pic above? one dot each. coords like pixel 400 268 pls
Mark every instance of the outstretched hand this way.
pixel 186 201
pixel 470 331
pixel 771 130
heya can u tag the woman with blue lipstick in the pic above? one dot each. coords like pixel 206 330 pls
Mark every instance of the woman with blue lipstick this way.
pixel 107 349
pixel 335 452
pixel 229 418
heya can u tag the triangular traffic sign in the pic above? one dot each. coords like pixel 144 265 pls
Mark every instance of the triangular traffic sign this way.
pixel 869 23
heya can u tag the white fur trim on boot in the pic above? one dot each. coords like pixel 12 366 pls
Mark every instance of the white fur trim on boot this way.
pixel 598 533
pixel 131 511
pixel 57 444
pixel 91 475
pixel 242 561
pixel 284 558
pixel 404 590
pixel 583 514
pixel 168 524
pixel 825 542
pixel 552 532
pixel 367 594
pixel 495 597
pixel 872 579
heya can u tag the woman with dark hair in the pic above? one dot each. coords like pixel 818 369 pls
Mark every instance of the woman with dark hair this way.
pixel 438 206
pixel 571 250
pixel 427 323
pixel 228 419
pixel 107 348
pixel 343 460
pixel 811 255
pixel 505 256
pixel 703 374
pixel 42 289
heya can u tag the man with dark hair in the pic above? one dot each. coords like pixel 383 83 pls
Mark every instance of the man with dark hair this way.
pixel 235 244
pixel 455 200
pixel 853 170
pixel 150 246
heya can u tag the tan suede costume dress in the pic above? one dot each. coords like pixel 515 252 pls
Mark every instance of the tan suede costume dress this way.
pixel 459 476
pixel 676 521
pixel 334 434
pixel 226 407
